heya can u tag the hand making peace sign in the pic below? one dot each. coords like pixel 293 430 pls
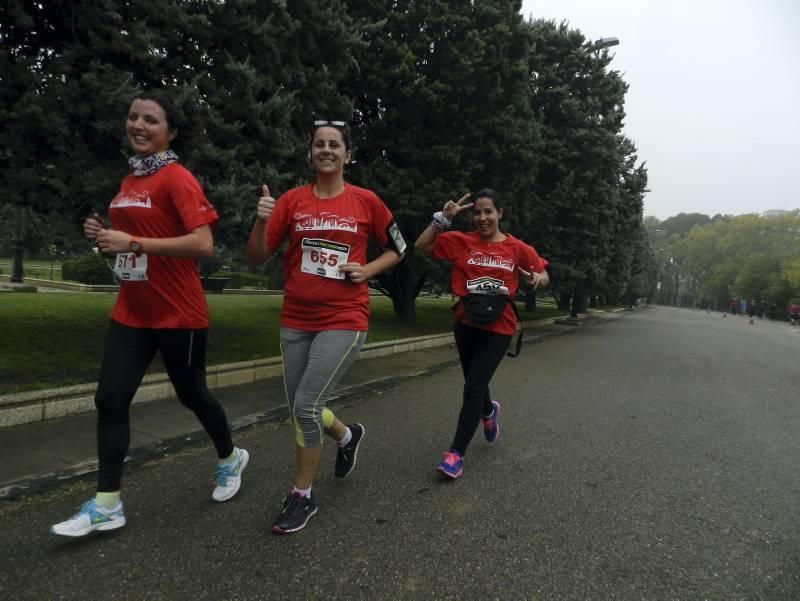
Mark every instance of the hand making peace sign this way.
pixel 451 209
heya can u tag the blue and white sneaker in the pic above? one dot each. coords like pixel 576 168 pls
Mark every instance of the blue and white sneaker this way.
pixel 451 465
pixel 89 518
pixel 229 476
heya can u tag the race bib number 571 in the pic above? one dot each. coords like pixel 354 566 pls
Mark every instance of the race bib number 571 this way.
pixel 131 268
pixel 323 257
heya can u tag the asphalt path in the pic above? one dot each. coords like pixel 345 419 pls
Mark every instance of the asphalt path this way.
pixel 652 456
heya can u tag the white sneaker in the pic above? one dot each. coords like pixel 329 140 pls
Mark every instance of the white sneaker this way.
pixel 90 517
pixel 229 476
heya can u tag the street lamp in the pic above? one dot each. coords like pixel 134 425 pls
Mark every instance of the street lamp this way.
pixel 605 43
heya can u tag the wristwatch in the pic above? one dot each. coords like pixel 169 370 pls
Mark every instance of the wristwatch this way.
pixel 136 246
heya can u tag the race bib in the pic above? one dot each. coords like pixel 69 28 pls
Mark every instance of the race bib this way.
pixel 323 257
pixel 131 268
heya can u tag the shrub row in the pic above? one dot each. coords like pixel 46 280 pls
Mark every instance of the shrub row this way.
pixel 237 280
pixel 91 268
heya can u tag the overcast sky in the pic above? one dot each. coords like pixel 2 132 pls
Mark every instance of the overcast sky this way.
pixel 714 98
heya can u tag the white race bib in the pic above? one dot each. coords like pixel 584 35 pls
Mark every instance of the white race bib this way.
pixel 131 268
pixel 323 257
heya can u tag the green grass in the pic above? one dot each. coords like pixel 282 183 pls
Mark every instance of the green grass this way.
pixel 34 268
pixel 52 340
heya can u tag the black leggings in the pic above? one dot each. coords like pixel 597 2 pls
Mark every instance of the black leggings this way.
pixel 128 353
pixel 480 352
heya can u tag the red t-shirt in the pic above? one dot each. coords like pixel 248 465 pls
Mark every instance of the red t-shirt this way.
pixel 479 266
pixel 324 233
pixel 161 292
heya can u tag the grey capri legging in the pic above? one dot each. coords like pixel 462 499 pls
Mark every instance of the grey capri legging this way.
pixel 313 363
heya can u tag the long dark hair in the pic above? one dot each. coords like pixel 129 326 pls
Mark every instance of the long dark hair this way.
pixel 491 195
pixel 177 121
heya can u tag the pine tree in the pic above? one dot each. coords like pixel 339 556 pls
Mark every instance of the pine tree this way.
pixel 578 188
pixel 440 109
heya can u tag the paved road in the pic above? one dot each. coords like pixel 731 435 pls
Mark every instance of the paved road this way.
pixel 650 457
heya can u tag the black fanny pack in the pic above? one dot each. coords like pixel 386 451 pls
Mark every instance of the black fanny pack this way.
pixel 487 308
pixel 484 308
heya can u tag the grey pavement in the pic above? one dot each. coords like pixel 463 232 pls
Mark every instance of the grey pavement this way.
pixel 648 457
pixel 51 452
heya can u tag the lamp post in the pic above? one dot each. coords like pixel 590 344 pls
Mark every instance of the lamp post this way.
pixel 17 273
pixel 602 43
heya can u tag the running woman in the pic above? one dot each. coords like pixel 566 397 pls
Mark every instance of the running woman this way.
pixel 325 311
pixel 486 267
pixel 161 223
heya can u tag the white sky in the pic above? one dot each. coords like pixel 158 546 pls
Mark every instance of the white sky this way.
pixel 714 98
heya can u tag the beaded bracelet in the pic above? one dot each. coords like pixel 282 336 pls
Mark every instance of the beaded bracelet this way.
pixel 438 226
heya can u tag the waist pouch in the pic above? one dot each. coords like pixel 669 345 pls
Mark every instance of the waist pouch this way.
pixel 487 308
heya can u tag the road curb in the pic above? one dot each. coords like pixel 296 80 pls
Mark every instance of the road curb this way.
pixel 43 405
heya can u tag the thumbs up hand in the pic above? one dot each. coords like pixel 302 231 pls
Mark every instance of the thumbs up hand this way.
pixel 266 204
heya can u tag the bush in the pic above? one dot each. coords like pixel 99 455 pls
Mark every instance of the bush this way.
pixel 237 280
pixel 210 265
pixel 91 268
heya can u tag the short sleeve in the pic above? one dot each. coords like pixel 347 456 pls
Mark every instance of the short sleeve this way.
pixel 190 201
pixel 278 224
pixel 446 246
pixel 530 258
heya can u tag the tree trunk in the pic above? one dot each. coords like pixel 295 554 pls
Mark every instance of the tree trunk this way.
pixel 578 302
pixel 402 286
pixel 564 301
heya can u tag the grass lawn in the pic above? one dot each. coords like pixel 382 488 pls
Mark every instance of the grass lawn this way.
pixel 51 340
pixel 34 268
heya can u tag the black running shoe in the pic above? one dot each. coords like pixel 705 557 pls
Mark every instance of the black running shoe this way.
pixel 346 455
pixel 296 512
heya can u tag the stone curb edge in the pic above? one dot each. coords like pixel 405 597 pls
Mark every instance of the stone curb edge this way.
pixel 42 405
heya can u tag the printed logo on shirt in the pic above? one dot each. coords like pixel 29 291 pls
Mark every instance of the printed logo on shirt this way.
pixel 486 285
pixel 483 259
pixel 324 221
pixel 132 199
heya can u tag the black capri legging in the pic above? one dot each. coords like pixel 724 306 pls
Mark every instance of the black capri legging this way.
pixel 127 355
pixel 480 352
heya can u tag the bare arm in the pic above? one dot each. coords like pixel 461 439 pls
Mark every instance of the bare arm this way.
pixel 197 243
pixel 451 208
pixel 361 273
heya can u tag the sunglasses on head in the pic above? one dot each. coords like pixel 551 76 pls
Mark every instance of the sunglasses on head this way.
pixel 320 123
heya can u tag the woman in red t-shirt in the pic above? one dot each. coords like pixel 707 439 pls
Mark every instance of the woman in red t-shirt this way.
pixel 161 224
pixel 325 311
pixel 486 265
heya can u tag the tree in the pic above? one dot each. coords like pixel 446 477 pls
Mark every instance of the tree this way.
pixel 744 257
pixel 269 68
pixel 578 193
pixel 68 71
pixel 440 109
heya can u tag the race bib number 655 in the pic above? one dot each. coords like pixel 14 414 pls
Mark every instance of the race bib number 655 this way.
pixel 323 257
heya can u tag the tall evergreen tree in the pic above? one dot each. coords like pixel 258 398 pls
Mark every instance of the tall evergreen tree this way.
pixel 577 192
pixel 68 70
pixel 440 109
pixel 271 67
